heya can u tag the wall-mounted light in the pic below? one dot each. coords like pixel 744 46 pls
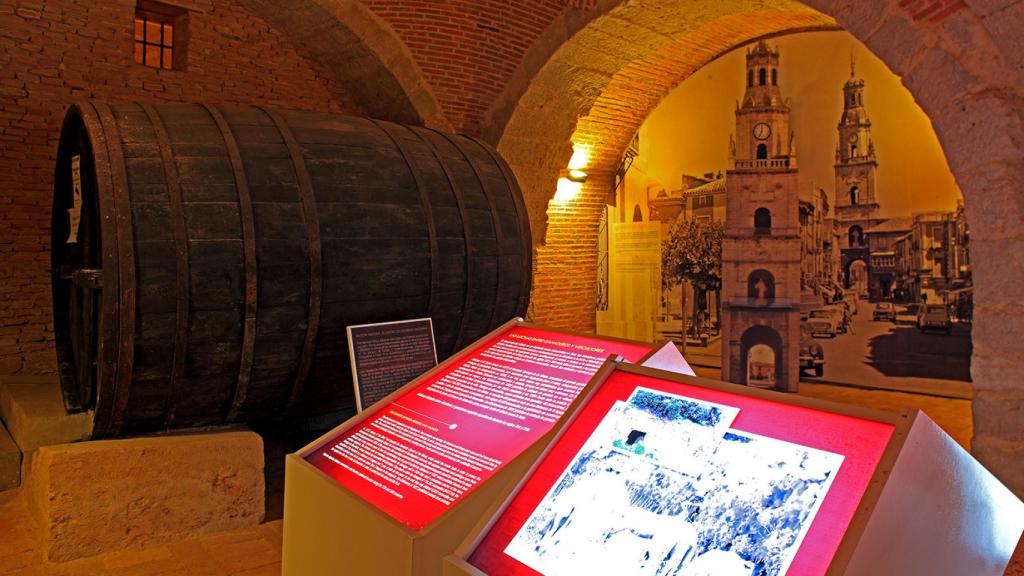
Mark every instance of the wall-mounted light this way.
pixel 567 190
pixel 580 157
pixel 576 175
pixel 570 179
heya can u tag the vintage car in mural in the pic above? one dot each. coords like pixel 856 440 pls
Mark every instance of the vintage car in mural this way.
pixel 884 311
pixel 825 322
pixel 812 355
pixel 934 317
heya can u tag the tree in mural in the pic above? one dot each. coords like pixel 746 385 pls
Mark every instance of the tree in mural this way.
pixel 693 253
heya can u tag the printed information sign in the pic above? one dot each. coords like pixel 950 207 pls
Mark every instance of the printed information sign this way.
pixel 659 477
pixel 387 356
pixel 430 446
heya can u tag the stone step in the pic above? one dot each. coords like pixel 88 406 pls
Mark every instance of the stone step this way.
pixel 32 408
pixel 10 461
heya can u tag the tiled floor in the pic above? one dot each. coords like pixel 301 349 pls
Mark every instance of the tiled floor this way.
pixel 257 551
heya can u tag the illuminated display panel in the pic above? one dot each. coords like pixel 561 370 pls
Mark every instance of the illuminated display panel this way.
pixel 859 443
pixel 430 446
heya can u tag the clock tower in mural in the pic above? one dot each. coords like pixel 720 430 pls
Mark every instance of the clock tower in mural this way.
pixel 761 248
pixel 856 205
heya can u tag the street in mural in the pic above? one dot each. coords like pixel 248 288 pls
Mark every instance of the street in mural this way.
pixel 882 299
pixel 664 487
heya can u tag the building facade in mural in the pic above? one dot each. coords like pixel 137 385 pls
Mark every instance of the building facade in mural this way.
pixel 931 261
pixel 932 258
pixel 761 249
pixel 856 199
pixel 818 255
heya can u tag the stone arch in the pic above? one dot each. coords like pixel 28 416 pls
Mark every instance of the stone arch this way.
pixel 362 53
pixel 856 276
pixel 583 89
pixel 595 75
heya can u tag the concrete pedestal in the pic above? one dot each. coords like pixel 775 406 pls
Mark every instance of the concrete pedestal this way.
pixel 100 496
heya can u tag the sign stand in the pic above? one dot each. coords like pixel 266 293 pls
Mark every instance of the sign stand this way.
pixel 388 355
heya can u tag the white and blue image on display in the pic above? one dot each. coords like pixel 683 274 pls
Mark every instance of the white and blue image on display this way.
pixel 664 487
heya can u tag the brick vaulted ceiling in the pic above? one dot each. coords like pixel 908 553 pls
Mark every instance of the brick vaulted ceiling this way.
pixel 468 49
pixel 362 52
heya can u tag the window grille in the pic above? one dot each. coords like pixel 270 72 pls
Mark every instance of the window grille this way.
pixel 154 41
pixel 160 35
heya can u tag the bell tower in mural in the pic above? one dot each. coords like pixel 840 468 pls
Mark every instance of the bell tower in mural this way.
pixel 856 205
pixel 761 248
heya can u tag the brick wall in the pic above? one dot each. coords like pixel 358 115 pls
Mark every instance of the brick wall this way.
pixel 931 10
pixel 53 52
pixel 565 268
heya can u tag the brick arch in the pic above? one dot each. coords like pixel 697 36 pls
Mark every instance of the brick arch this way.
pixel 961 61
pixel 362 53
pixel 595 90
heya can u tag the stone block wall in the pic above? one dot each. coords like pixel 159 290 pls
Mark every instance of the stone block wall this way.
pixel 54 52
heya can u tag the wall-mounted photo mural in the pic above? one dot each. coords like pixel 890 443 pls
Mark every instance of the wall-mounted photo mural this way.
pixel 787 215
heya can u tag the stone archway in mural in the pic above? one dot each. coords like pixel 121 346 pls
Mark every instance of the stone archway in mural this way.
pixel 856 277
pixel 361 52
pixel 593 77
pixel 761 357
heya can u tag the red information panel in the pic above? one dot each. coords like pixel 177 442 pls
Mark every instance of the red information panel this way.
pixel 657 477
pixel 424 451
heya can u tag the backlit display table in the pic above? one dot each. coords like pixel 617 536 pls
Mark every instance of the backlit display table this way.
pixel 656 473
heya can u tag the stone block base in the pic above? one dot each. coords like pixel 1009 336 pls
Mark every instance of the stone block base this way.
pixel 10 461
pixel 32 408
pixel 100 496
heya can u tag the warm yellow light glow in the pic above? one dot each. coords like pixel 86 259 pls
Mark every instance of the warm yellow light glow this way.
pixel 576 176
pixel 580 158
pixel 567 190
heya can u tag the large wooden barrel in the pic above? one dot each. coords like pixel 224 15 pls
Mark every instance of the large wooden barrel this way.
pixel 215 254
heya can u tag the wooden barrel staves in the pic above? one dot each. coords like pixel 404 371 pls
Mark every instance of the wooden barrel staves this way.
pixel 206 259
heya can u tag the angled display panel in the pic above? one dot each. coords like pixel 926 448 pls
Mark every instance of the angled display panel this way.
pixel 424 449
pixel 662 474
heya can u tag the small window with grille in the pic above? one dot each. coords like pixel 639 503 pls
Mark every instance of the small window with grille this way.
pixel 159 35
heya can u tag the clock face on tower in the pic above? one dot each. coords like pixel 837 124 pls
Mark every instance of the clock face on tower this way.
pixel 762 130
pixel 853 138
